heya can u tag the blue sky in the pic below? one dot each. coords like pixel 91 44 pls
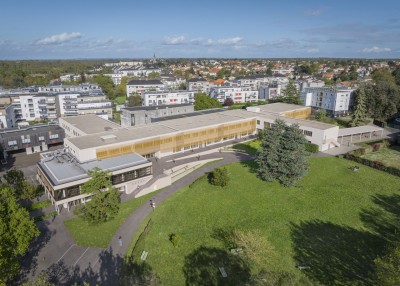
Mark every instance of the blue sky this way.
pixel 240 29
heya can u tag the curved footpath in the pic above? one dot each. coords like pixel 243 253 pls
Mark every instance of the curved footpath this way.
pixel 66 262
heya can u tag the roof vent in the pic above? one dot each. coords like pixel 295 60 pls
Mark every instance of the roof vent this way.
pixel 108 137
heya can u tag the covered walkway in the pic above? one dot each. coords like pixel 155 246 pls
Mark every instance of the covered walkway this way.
pixel 360 133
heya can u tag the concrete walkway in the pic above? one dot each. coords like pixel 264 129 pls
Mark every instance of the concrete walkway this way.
pixel 56 252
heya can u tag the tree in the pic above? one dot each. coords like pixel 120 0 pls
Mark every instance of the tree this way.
pixel 228 102
pixel 359 113
pixel 293 163
pixel 106 85
pixel 388 267
pixel 219 177
pixel 153 75
pixel 291 94
pixel 121 88
pixel 282 154
pixel 17 230
pixel 15 179
pixel 135 100
pixel 182 86
pixel 203 101
pixel 384 75
pixel 105 201
pixel 321 115
pixel 382 100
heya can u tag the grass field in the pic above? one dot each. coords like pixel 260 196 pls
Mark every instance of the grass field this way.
pixel 337 221
pixel 248 147
pixel 100 235
pixel 388 156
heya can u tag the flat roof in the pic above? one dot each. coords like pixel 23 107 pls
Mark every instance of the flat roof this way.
pixel 280 107
pixel 183 123
pixel 10 133
pixel 358 130
pixel 155 107
pixel 90 123
pixel 61 167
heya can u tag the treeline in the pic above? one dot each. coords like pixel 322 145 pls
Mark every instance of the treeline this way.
pixel 14 74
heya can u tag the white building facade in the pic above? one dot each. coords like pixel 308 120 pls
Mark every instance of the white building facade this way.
pixel 336 101
pixel 237 94
pixel 152 98
pixel 142 86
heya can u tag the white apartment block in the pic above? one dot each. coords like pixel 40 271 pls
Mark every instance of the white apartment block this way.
pixel 115 77
pixel 83 87
pixel 198 85
pixel 269 91
pixel 70 104
pixel 142 86
pixel 336 101
pixel 238 94
pixel 152 98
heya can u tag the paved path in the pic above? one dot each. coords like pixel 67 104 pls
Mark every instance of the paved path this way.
pixel 56 252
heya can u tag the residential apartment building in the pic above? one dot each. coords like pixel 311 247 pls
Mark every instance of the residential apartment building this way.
pixel 141 86
pixel 237 94
pixel 32 139
pixel 269 91
pixel 83 87
pixel 70 104
pixel 142 115
pixel 337 101
pixel 151 98
pixel 198 85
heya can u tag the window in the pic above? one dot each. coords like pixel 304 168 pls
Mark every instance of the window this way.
pixel 53 136
pixel 27 140
pixel 41 138
pixel 258 122
pixel 307 133
pixel 11 143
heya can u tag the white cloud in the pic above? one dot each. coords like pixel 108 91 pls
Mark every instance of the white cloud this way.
pixel 174 40
pixel 376 49
pixel 313 13
pixel 313 51
pixel 58 39
pixel 230 41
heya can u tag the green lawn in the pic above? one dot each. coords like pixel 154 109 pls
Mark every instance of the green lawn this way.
pixel 334 221
pixel 389 156
pixel 250 147
pixel 100 235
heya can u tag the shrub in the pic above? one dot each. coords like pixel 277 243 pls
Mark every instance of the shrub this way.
pixel 362 151
pixel 376 147
pixel 174 238
pixel 311 148
pixel 374 164
pixel 219 177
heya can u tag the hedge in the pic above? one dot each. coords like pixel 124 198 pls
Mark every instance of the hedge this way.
pixel 312 148
pixel 374 164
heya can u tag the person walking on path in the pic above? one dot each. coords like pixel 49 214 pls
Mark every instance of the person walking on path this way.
pixel 152 204
pixel 120 241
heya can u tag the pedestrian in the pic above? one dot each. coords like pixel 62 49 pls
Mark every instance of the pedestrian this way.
pixel 152 204
pixel 120 241
pixel 173 160
pixel 44 258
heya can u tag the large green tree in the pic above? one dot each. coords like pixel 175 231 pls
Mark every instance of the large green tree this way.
pixel 282 154
pixel 388 267
pixel 383 100
pixel 359 113
pixel 203 101
pixel 17 230
pixel 105 202
pixel 135 100
pixel 291 94
pixel 106 84
pixel 15 179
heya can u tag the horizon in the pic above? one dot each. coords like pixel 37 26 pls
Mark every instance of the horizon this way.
pixel 262 30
